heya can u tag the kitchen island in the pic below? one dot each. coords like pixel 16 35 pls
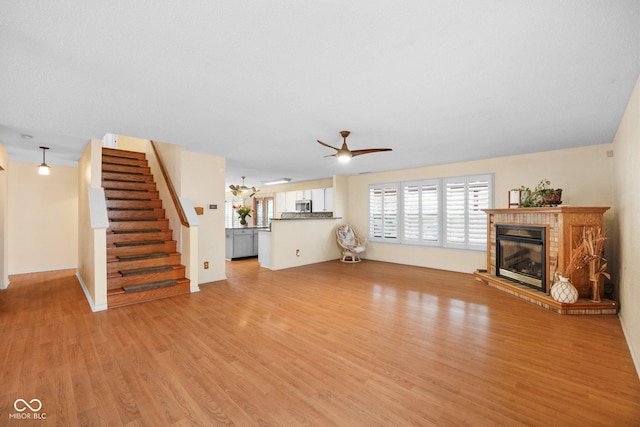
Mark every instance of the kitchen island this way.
pixel 299 240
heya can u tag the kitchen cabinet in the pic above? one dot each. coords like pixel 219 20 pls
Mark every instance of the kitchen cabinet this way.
pixel 281 202
pixel 322 199
pixel 328 199
pixel 241 242
pixel 291 201
pixel 286 201
pixel 317 200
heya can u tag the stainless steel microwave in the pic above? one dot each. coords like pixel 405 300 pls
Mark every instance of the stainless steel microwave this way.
pixel 303 205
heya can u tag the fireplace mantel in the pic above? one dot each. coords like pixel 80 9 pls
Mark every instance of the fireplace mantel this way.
pixel 564 226
pixel 599 210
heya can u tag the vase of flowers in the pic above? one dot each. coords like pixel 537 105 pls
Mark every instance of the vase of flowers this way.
pixel 589 253
pixel 243 212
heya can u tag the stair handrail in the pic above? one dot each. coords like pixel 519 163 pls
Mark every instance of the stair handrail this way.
pixel 172 190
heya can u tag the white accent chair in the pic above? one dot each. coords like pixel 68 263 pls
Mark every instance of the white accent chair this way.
pixel 352 245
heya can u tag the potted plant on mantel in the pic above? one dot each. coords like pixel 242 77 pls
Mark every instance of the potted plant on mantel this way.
pixel 542 195
pixel 243 212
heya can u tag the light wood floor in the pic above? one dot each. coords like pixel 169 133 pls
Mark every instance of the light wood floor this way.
pixel 370 344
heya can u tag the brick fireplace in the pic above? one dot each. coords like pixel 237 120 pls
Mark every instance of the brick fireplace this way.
pixel 562 228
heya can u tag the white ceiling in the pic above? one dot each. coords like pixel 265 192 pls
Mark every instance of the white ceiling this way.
pixel 258 82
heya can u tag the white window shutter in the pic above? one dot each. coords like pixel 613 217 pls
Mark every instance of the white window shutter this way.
pixel 383 212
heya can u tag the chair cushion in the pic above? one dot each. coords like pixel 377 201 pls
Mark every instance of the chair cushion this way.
pixel 346 235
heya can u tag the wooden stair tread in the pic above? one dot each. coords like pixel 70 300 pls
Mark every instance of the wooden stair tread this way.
pixel 118 298
pixel 142 230
pixel 115 265
pixel 149 286
pixel 147 270
pixel 138 243
pixel 143 256
pixel 132 219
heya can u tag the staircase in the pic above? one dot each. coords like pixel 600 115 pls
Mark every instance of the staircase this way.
pixel 142 262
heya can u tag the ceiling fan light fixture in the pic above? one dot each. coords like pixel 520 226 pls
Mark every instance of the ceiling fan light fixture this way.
pixel 241 190
pixel 344 157
pixel 344 154
pixel 44 168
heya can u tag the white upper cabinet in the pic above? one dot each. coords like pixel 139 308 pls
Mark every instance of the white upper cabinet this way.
pixel 328 199
pixel 291 201
pixel 281 202
pixel 317 200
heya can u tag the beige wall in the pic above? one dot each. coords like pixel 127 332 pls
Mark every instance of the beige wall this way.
pixel 627 176
pixel 202 181
pixel 584 174
pixel 341 198
pixel 4 220
pixel 92 243
pixel 43 218
pixel 131 143
pixel 171 156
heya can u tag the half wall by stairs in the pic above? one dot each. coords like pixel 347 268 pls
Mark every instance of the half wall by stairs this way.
pixel 142 262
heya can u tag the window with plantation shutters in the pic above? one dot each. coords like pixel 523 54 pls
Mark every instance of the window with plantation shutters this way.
pixel 383 212
pixel 446 212
pixel 454 212
pixel 421 217
pixel 465 223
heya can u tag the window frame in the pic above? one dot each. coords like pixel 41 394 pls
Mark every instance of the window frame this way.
pixel 420 241
pixel 442 213
pixel 465 180
pixel 384 237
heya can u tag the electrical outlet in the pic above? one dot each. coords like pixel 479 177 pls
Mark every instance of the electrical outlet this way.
pixel 206 265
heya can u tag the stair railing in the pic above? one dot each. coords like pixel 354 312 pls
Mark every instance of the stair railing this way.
pixel 172 191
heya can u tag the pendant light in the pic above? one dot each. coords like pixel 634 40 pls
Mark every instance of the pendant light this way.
pixel 43 169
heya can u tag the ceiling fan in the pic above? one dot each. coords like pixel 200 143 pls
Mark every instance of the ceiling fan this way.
pixel 344 154
pixel 242 190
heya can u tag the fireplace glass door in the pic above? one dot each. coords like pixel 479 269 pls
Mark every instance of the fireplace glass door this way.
pixel 521 254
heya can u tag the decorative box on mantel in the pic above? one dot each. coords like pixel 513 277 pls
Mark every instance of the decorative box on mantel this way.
pixel 556 232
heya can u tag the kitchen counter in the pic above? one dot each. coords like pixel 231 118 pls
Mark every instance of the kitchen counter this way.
pixel 306 215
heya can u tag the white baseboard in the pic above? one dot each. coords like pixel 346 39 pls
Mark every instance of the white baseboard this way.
pixel 634 356
pixel 94 307
pixel 69 267
pixel 5 285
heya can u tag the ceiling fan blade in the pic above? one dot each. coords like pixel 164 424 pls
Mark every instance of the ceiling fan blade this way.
pixel 369 150
pixel 326 145
pixel 331 155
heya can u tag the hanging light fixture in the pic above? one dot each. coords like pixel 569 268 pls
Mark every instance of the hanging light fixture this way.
pixel 43 169
pixel 242 190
